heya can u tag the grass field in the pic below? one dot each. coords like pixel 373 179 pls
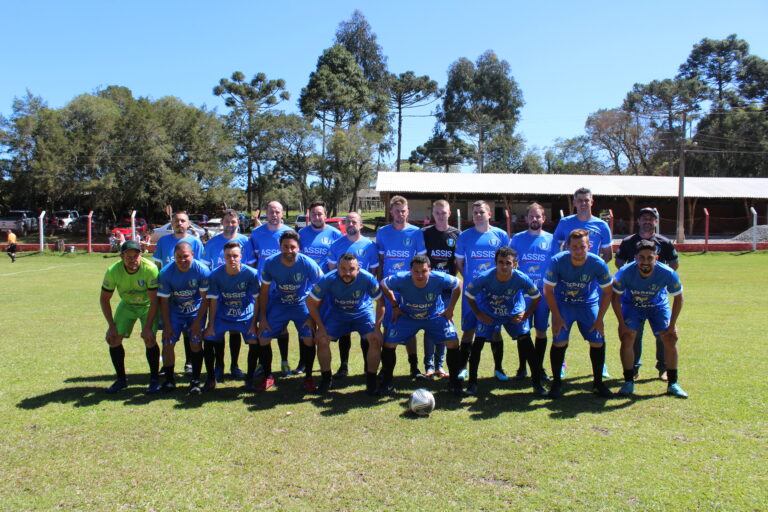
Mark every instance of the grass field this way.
pixel 68 445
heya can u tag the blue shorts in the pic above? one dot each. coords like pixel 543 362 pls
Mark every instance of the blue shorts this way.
pixel 222 326
pixel 540 318
pixel 513 329
pixel 584 316
pixel 181 325
pixel 337 324
pixel 388 311
pixel 279 316
pixel 658 317
pixel 439 329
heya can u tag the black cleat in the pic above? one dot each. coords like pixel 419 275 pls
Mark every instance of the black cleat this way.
pixel 210 385
pixel 386 389
pixel 471 389
pixel 169 386
pixel 343 372
pixel 416 373
pixel 154 386
pixel 117 386
pixel 556 391
pixel 602 390
pixel 194 388
pixel 325 386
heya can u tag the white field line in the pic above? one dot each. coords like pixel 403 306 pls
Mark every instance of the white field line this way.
pixel 39 269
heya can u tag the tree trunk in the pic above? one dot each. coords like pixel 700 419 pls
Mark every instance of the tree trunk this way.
pixel 399 133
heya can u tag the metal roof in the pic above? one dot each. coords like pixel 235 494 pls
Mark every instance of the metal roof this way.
pixel 565 184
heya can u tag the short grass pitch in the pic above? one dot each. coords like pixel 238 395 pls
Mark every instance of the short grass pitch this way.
pixel 68 445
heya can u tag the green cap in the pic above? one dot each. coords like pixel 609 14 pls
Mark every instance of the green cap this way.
pixel 130 244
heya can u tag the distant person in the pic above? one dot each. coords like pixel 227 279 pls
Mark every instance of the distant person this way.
pixel 11 249
pixel 116 240
pixel 146 241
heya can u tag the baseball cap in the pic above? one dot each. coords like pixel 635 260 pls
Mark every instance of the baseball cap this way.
pixel 129 245
pixel 652 211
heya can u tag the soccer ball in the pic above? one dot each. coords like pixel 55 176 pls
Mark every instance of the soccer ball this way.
pixel 422 402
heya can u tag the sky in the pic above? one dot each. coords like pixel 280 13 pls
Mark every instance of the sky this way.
pixel 568 58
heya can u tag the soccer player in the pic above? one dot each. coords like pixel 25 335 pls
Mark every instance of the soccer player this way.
pixel 367 259
pixel 475 253
pixel 496 299
pixel 317 236
pixel 183 285
pixel 647 221
pixel 349 292
pixel 642 288
pixel 534 250
pixel 263 243
pixel 398 243
pixel 440 241
pixel 135 279
pixel 286 280
pixel 417 306
pixel 214 257
pixel 233 291
pixel 11 249
pixel 571 291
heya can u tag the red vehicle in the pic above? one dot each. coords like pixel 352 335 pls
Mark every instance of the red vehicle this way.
pixel 124 227
pixel 338 223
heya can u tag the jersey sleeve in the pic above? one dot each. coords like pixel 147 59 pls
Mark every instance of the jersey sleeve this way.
pixel 266 275
pixel 459 252
pixel 108 283
pixel 159 254
pixel 421 247
pixel 668 253
pixel 618 281
pixel 558 237
pixel 552 275
pixel 254 286
pixel 450 283
pixel 623 251
pixel 372 255
pixel 505 240
pixel 605 235
pixel 315 272
pixel 164 288
pixel 374 290
pixel 249 251
pixel 319 289
pixel 529 289
pixel 674 286
pixel 473 288
pixel 213 287
pixel 379 242
pixel 205 273
pixel 603 274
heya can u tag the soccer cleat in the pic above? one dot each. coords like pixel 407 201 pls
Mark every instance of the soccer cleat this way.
pixel 676 391
pixel 416 373
pixel 194 388
pixel 117 386
pixel 627 389
pixel 209 385
pixel 386 389
pixel 500 375
pixel 325 386
pixel 187 368
pixel 636 373
pixel 285 369
pixel 606 375
pixel 556 391
pixel 258 371
pixel 236 372
pixel 521 374
pixel 463 374
pixel 265 384
pixel 309 385
pixel 154 386
pixel 249 385
pixel 343 372
pixel 663 375
pixel 563 370
pixel 298 371
pixel 471 389
pixel 219 373
pixel 538 389
pixel 169 386
pixel 602 390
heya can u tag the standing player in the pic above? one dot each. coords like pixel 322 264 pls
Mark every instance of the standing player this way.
pixel 11 249
pixel 571 290
pixel 496 299
pixel 183 285
pixel 286 281
pixel 136 282
pixel 367 259
pixel 534 250
pixel 475 253
pixel 398 243
pixel 263 243
pixel 316 237
pixel 440 241
pixel 349 292
pixel 665 250
pixel 641 294
pixel 214 257
pixel 233 291
pixel 417 306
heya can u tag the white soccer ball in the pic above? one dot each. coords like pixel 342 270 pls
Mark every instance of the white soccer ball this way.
pixel 422 402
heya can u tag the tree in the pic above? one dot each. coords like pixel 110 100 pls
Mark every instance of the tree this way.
pixel 249 102
pixel 576 155
pixel 296 158
pixel 408 91
pixel 481 100
pixel 442 152
pixel 351 155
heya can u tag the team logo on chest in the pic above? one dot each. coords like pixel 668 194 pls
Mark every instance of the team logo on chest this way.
pixel 407 242
pixel 509 291
pixel 297 277
pixel 192 283
pixel 584 278
pixel 357 294
pixel 325 241
pixel 430 297
pixel 360 252
pixel 544 245
pixel 242 285
pixel 450 242
pixel 493 242
pixel 141 282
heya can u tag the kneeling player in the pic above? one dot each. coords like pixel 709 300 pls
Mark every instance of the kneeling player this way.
pixel 496 298
pixel 183 285
pixel 340 303
pixel 641 294
pixel 420 307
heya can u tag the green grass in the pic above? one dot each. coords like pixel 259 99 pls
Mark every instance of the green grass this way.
pixel 68 445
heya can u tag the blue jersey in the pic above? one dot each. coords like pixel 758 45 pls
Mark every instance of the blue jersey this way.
pixel 235 294
pixel 533 255
pixel 478 250
pixel 398 247
pixel 421 303
pixel 599 233
pixel 577 285
pixel 347 299
pixel 317 244
pixel 646 292
pixel 262 244
pixel 182 289
pixel 501 299
pixel 167 244
pixel 364 249
pixel 214 249
pixel 289 286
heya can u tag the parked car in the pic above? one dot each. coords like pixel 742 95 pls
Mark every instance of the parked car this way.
pixel 198 218
pixel 214 227
pixel 80 225
pixel 300 222
pixel 167 229
pixel 338 223
pixel 20 222
pixel 66 217
pixel 124 226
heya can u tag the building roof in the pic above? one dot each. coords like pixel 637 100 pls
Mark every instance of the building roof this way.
pixel 566 184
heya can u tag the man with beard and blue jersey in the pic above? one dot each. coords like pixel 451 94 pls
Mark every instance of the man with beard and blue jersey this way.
pixel 233 291
pixel 398 243
pixel 263 243
pixel 349 293
pixel 367 259
pixel 418 306
pixel 475 253
pixel 571 288
pixel 534 250
pixel 214 258
pixel 183 285
pixel 317 237
pixel 642 289
pixel 286 280
pixel 498 299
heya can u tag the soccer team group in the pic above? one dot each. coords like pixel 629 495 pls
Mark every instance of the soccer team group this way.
pixel 330 285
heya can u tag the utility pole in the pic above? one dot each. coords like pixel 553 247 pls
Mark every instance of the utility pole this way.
pixel 681 197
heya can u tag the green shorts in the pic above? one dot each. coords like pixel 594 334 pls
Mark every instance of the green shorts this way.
pixel 126 316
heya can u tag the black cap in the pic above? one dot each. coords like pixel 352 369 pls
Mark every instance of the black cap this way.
pixel 130 245
pixel 652 211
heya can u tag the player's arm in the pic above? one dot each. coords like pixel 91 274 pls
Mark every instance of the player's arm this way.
pixel 605 303
pixel 213 304
pixel 459 260
pixel 106 310
pixel 263 298
pixel 531 308
pixel 165 311
pixel 677 306
pixel 455 294
pixel 606 252
pixel 557 319
pixel 616 304
pixel 197 324
pixel 389 296
pixel 483 317
pixel 379 309
pixel 313 305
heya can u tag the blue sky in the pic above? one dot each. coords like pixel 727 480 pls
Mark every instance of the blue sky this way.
pixel 569 58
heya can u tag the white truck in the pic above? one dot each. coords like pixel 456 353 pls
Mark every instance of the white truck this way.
pixel 20 222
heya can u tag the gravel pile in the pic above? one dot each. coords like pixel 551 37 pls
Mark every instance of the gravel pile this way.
pixel 746 236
